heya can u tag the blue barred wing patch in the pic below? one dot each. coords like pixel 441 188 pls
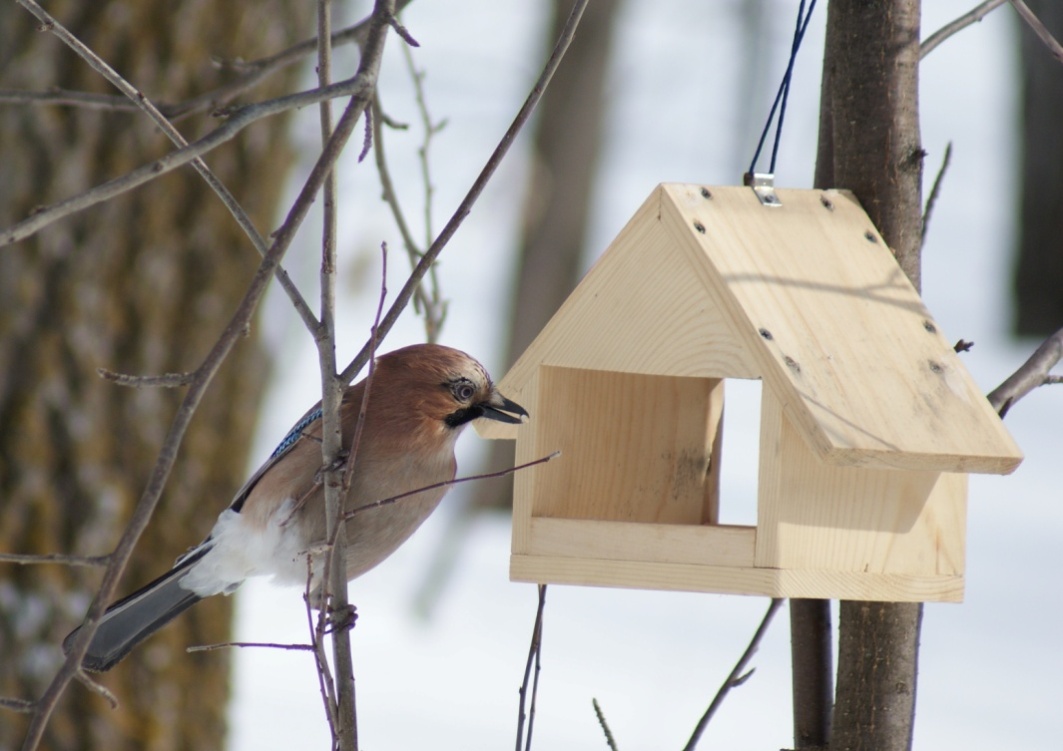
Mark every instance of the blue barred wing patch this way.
pixel 295 432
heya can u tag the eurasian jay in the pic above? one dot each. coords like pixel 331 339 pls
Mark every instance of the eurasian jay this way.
pixel 420 400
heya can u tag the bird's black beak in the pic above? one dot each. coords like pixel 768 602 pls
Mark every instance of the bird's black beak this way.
pixel 503 410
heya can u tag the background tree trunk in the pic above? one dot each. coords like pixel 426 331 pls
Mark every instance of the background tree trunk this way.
pixel 1039 270
pixel 567 147
pixel 871 75
pixel 141 284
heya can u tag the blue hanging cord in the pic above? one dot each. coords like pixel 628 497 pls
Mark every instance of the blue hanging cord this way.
pixel 784 89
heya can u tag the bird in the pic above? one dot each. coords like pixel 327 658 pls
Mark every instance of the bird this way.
pixel 420 399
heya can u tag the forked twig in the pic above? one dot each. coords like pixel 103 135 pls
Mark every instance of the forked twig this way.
pixel 974 15
pixel 1033 373
pixel 738 675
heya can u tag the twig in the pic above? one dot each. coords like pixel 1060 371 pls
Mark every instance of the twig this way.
pixel 356 87
pixel 465 207
pixel 737 677
pixel 421 300
pixel 1033 373
pixel 374 342
pixel 533 658
pixel 935 190
pixel 609 740
pixel 138 98
pixel 166 380
pixel 17 705
pixel 334 578
pixel 142 513
pixel 250 644
pixel 255 71
pixel 1039 29
pixel 326 685
pixel 99 689
pixel 448 483
pixel 974 15
pixel 436 309
pixel 62 559
pixel 64 97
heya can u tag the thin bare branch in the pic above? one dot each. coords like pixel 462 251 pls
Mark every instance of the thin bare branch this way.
pixel 97 688
pixel 972 16
pixel 935 190
pixel 448 483
pixel 55 558
pixel 326 685
pixel 254 73
pixel 534 650
pixel 403 32
pixel 64 97
pixel 17 705
pixel 142 513
pixel 1039 29
pixel 422 301
pixel 250 645
pixel 609 740
pixel 137 98
pixel 435 311
pixel 166 380
pixel 738 675
pixel 356 87
pixel 465 207
pixel 1033 373
pixel 334 578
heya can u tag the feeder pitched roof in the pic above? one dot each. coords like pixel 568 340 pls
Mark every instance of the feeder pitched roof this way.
pixel 806 296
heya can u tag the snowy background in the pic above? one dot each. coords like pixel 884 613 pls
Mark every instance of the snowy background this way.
pixel 991 669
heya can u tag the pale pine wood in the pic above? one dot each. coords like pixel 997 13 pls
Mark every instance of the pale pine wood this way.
pixel 869 418
pixel 642 308
pixel 707 545
pixel 527 483
pixel 816 516
pixel 686 577
pixel 863 369
pixel 650 466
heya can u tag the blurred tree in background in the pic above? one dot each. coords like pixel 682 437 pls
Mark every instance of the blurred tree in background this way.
pixel 1038 282
pixel 136 285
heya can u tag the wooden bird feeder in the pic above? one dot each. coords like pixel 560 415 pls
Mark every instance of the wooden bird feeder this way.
pixel 869 421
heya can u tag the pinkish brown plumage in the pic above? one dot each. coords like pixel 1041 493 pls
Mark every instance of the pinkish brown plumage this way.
pixel 421 398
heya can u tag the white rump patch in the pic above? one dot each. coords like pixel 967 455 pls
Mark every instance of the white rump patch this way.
pixel 240 550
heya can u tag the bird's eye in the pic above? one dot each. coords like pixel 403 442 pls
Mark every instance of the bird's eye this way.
pixel 463 392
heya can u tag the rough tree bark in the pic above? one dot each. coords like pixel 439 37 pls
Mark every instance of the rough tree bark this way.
pixel 871 68
pixel 141 285
pixel 1039 269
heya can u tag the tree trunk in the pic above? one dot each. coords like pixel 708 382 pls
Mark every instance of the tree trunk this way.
pixel 1039 271
pixel 871 81
pixel 142 284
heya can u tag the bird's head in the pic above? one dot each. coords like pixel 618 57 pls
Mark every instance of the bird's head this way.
pixel 444 385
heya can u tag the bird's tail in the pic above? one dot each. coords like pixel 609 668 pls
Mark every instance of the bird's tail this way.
pixel 133 619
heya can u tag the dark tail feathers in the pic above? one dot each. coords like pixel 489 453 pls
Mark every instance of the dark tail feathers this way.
pixel 133 619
